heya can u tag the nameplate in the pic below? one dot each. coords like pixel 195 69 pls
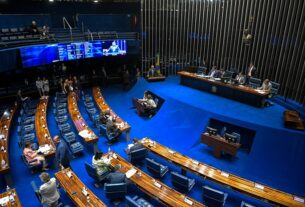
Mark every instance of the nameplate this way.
pixel 157 184
pixel 84 191
pixel 114 156
pixel 259 186
pixel 130 173
pixel 298 199
pixel 195 162
pixel 224 174
pixel 188 201
pixel 171 151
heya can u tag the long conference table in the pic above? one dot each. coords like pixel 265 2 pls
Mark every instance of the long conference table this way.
pixel 5 126
pixel 152 187
pixel 103 106
pixel 242 185
pixel 240 93
pixel 74 187
pixel 89 137
pixel 46 144
pixel 10 200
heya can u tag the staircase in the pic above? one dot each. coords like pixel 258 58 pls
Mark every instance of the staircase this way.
pixel 63 35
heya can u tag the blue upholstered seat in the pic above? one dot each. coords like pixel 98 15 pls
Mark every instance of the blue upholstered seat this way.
pixel 89 104
pixel 237 135
pixel 213 197
pixel 137 201
pixel 93 174
pixel 255 82
pixel 109 136
pixel 116 190
pixel 61 119
pixel 182 182
pixel 32 168
pixel 201 70
pixel 76 148
pixel 244 204
pixel 64 128
pixel 137 155
pixel 274 88
pixel 156 168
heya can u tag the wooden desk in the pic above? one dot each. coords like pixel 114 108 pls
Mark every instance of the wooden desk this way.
pixel 5 126
pixel 80 123
pixel 41 127
pixel 242 185
pixel 74 186
pixel 103 106
pixel 146 183
pixel 237 92
pixel 219 144
pixel 16 203
pixel 293 120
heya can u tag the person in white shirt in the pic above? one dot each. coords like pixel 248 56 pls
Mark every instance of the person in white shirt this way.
pixel 39 85
pixel 150 102
pixel 240 78
pixel 100 163
pixel 48 190
pixel 266 86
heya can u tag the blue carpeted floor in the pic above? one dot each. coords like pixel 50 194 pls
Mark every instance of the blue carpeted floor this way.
pixel 277 156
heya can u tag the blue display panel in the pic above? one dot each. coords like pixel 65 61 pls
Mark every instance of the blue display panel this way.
pixel 46 54
pixel 39 55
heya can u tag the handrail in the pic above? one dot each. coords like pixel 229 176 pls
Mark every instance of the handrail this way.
pixel 90 33
pixel 65 21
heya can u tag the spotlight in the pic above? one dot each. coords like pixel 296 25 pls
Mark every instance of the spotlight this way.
pixel 95 1
pixel 51 0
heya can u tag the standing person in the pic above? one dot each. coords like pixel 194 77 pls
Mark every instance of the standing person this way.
pixel 76 86
pixel 46 86
pixel 20 99
pixel 39 85
pixel 251 72
pixel 48 190
pixel 62 153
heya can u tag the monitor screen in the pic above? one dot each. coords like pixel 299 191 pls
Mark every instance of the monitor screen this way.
pixel 38 55
pixel 71 51
pixel 212 131
pixel 230 137
pixel 114 47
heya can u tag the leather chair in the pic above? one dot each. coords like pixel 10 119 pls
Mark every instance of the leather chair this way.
pixel 89 105
pixel 182 182
pixel 255 82
pixel 69 137
pixel 115 191
pixel 61 119
pixel 237 135
pixel 137 201
pixel 201 70
pixel 156 168
pixel 31 167
pixel 111 137
pixel 274 88
pixel 244 204
pixel 64 128
pixel 93 174
pixel 76 148
pixel 137 155
pixel 213 197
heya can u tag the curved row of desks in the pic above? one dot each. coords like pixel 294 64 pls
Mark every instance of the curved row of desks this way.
pixel 5 126
pixel 103 106
pixel 77 190
pixel 152 187
pixel 46 144
pixel 223 178
pixel 10 199
pixel 89 137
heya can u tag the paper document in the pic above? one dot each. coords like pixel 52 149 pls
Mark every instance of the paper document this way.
pixel 84 134
pixel 188 201
pixel 4 200
pixel 130 172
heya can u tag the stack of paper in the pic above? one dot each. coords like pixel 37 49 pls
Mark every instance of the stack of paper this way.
pixel 130 172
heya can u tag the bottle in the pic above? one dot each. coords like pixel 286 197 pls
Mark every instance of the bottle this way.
pixel 8 190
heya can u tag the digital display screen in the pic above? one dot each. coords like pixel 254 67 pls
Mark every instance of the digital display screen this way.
pixel 39 55
pixel 46 54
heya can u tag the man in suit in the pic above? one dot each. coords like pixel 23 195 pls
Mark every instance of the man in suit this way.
pixel 240 78
pixel 251 72
pixel 62 153
pixel 48 190
pixel 116 176
pixel 136 145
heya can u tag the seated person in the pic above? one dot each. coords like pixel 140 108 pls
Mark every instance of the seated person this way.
pixel 134 146
pixel 112 128
pixel 104 117
pixel 144 97
pixel 266 86
pixel 48 190
pixel 34 29
pixel 214 73
pixel 116 176
pixel 100 163
pixel 221 73
pixel 240 78
pixel 150 103
pixel 151 71
pixel 33 157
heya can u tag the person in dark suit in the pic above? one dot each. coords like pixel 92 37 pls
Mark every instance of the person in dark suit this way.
pixel 251 72
pixel 240 78
pixel 136 145
pixel 116 176
pixel 62 153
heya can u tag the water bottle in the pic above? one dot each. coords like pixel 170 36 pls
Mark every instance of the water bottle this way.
pixel 8 190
